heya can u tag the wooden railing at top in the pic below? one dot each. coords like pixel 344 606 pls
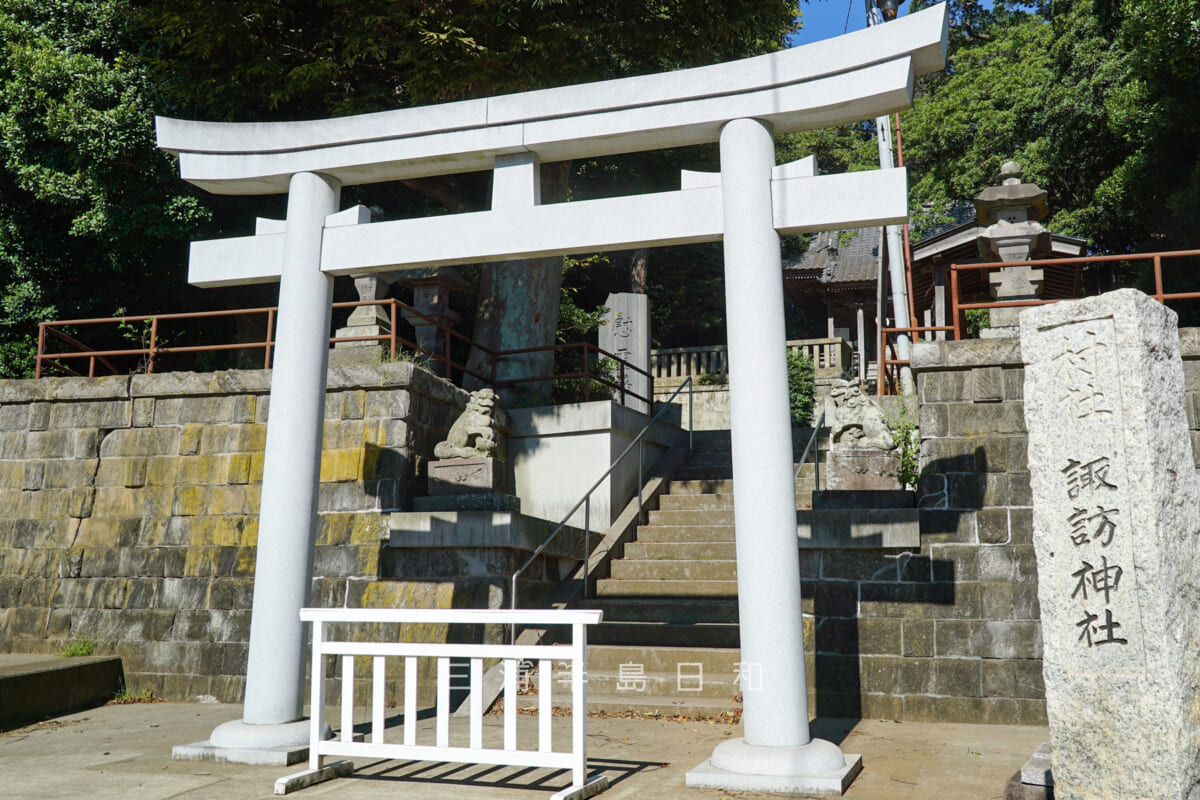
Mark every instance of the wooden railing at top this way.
pixel 682 362
pixel 958 318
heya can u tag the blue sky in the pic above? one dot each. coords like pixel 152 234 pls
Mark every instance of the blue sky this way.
pixel 826 18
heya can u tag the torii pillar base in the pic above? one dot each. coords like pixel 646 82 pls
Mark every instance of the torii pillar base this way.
pixel 238 742
pixel 782 770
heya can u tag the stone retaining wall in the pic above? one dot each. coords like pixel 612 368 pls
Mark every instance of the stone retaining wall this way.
pixel 950 632
pixel 130 512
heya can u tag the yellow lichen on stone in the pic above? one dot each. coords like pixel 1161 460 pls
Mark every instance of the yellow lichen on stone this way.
pixel 342 464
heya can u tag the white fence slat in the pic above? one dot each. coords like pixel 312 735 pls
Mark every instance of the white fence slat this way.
pixel 378 688
pixel 511 669
pixel 579 704
pixel 545 705
pixel 476 703
pixel 347 698
pixel 317 699
pixel 410 701
pixel 443 702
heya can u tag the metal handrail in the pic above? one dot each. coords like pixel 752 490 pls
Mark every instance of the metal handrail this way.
pixel 586 500
pixel 804 456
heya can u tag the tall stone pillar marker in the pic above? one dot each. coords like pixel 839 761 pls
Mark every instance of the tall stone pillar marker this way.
pixel 272 714
pixel 1116 519
pixel 777 754
pixel 626 334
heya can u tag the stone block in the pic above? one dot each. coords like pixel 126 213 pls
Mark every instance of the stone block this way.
pixel 143 412
pixel 987 384
pixel 201 470
pixel 388 404
pixel 66 474
pixel 338 434
pixel 47 504
pixel 1007 639
pixel 231 593
pixel 1017 678
pixel 39 416
pixel 14 417
pixel 983 419
pixel 187 594
pixel 953 563
pixel 992 525
pixel 854 469
pixel 12 445
pixel 916 638
pixel 47 444
pixel 880 636
pixel 957 677
pixel 902 675
pixel 1018 454
pixel 1014 383
pixel 919 600
pixel 93 414
pixel 965 490
pixel 347 464
pixel 933 419
pixel 949 455
pixel 859 565
pixel 947 526
pixel 31 479
pixel 190 439
pixel 830 598
pixel 943 387
pixel 153 501
pixel 1010 600
pixel 140 442
pixel 230 625
pixel 222 499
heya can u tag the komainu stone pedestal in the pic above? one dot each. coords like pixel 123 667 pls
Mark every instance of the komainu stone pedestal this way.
pixel 1116 521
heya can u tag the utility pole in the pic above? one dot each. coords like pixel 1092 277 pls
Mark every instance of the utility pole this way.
pixel 878 12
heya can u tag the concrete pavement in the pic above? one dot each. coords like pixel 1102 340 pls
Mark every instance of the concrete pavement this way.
pixel 124 753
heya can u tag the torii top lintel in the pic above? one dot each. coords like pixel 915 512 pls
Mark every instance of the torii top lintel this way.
pixel 844 79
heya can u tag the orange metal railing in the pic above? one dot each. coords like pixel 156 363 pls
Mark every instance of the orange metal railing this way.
pixel 151 347
pixel 889 364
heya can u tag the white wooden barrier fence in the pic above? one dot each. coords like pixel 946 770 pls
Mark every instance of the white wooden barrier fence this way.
pixel 570 657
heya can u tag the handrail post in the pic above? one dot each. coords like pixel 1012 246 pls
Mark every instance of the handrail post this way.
pixel 37 370
pixel 622 363
pixel 153 342
pixel 956 315
pixel 691 406
pixel 1158 279
pixel 587 540
pixel 392 332
pixel 270 336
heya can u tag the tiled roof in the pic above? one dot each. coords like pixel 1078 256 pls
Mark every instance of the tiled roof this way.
pixel 840 257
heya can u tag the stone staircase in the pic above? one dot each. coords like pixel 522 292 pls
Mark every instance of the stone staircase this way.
pixel 669 640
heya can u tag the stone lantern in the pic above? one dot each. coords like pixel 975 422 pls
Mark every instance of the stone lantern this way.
pixel 431 298
pixel 1011 212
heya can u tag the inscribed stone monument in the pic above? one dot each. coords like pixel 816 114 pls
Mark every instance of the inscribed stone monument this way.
pixel 626 334
pixel 1116 529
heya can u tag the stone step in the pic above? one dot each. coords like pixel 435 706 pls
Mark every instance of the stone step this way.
pixel 665 589
pixel 634 686
pixel 684 533
pixel 689 504
pixel 665 634
pixel 671 706
pixel 692 516
pixel 697 610
pixel 679 550
pixel 716 661
pixel 677 570
pixel 700 487
pixel 684 502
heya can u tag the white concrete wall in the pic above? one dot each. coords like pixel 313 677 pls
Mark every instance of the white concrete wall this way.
pixel 556 453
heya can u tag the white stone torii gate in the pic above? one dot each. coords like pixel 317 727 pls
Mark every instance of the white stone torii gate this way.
pixel 748 204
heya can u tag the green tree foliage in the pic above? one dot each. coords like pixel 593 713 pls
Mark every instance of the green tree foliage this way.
pixel 91 213
pixel 801 387
pixel 1095 98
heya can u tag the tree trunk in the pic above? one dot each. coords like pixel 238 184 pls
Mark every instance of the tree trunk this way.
pixel 518 308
